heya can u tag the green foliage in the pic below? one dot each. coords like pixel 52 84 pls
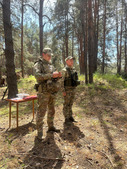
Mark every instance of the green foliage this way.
pixel 18 70
pixel 110 81
pixel 81 77
pixel 124 75
pixel 27 84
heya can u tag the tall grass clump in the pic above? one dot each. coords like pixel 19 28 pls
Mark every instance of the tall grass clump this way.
pixel 114 81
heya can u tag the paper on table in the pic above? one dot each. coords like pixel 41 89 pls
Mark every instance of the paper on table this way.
pixel 17 98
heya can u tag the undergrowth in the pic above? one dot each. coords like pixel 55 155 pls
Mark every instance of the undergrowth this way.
pixel 105 81
pixel 101 82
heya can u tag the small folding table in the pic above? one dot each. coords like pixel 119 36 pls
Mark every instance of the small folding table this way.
pixel 17 101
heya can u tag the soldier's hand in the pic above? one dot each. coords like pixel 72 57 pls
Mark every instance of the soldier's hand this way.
pixel 60 74
pixel 55 74
pixel 64 93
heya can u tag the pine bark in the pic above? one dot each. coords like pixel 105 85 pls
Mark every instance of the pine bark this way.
pixel 22 59
pixel 90 41
pixel 104 36
pixel 9 51
pixel 125 68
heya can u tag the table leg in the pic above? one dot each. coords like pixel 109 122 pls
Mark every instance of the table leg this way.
pixel 9 114
pixel 33 109
pixel 17 114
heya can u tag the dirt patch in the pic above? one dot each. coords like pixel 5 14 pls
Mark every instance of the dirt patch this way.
pixel 97 140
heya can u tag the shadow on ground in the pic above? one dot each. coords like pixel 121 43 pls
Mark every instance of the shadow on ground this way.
pixel 45 154
pixel 72 133
pixel 109 103
pixel 22 131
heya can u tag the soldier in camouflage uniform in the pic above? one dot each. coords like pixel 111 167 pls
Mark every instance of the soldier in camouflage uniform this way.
pixel 69 81
pixel 47 86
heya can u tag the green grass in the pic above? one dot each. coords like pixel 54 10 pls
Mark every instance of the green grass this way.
pixel 27 85
pixel 101 82
pixel 4 110
pixel 110 81
pixel 105 82
pixel 81 77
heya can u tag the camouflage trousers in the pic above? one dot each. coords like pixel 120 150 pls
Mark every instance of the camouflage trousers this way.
pixel 68 102
pixel 45 100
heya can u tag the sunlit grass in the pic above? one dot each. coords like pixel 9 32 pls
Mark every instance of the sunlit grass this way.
pixel 110 80
pixel 101 82
pixel 81 77
pixel 27 85
pixel 4 110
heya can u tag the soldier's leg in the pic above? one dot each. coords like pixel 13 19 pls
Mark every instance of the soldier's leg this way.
pixel 51 111
pixel 42 106
pixel 51 114
pixel 72 95
pixel 66 105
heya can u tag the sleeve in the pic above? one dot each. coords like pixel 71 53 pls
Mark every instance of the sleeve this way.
pixel 62 79
pixel 39 75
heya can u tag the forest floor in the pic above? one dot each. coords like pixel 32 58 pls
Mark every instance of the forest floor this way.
pixel 98 140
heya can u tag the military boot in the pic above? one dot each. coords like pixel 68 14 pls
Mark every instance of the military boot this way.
pixel 67 120
pixel 53 129
pixel 72 119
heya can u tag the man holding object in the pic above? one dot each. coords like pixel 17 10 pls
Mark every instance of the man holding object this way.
pixel 47 86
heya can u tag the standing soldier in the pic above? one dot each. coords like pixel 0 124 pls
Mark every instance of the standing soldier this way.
pixel 69 83
pixel 47 86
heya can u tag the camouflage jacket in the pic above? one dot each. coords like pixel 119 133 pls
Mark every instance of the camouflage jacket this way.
pixel 43 70
pixel 43 74
pixel 65 74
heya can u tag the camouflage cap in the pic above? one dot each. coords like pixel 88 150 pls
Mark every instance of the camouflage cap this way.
pixel 69 57
pixel 48 51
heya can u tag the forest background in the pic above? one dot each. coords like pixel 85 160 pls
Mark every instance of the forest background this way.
pixel 93 31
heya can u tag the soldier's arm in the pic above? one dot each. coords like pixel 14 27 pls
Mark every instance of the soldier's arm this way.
pixel 62 79
pixel 39 75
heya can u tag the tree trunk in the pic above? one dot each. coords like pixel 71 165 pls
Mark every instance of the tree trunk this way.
pixel 90 41
pixel 82 70
pixel 82 37
pixel 9 51
pixel 125 48
pixel 22 66
pixel 41 25
pixel 66 35
pixel 66 28
pixel 86 43
pixel 72 43
pixel 96 25
pixel 63 53
pixel 117 38
pixel 121 33
pixel 125 69
pixel 104 35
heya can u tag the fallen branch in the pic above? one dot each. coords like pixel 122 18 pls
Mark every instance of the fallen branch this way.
pixel 105 156
pixel 89 161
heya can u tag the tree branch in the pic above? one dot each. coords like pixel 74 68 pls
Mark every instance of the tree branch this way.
pixel 37 12
pixel 47 17
pixel 32 8
pixel 1 4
